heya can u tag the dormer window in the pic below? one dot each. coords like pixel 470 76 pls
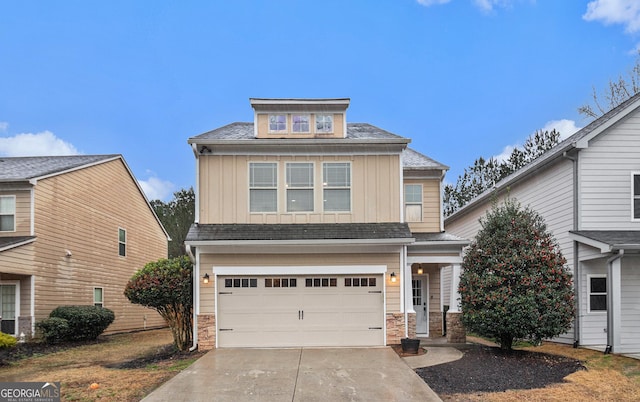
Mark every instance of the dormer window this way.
pixel 324 123
pixel 277 123
pixel 300 123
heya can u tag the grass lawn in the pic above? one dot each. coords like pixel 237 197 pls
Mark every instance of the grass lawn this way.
pixel 125 366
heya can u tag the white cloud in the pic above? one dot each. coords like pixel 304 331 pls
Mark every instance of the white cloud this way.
pixel 488 5
pixel 428 3
pixel 625 12
pixel 39 144
pixel 565 127
pixel 3 126
pixel 156 189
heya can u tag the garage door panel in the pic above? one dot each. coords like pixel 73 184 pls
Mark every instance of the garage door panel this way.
pixel 316 311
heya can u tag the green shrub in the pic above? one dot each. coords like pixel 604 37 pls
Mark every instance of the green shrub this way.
pixel 7 341
pixel 85 322
pixel 54 329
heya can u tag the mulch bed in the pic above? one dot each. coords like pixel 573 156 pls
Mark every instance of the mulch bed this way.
pixel 490 369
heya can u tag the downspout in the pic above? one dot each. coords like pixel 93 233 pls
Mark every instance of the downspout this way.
pixel 576 262
pixel 196 297
pixel 610 305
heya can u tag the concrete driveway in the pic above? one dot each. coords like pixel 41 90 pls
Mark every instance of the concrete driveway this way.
pixel 344 374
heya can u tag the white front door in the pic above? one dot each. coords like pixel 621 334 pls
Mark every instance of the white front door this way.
pixel 420 305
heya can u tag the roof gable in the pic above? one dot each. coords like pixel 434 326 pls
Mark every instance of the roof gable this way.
pixel 15 169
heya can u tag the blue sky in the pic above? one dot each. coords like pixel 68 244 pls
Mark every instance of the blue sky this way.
pixel 461 78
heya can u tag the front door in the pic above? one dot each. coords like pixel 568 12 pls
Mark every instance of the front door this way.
pixel 8 309
pixel 420 299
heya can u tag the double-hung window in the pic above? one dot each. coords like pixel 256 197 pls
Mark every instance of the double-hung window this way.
pixel 122 242
pixel 597 293
pixel 98 299
pixel 300 187
pixel 8 213
pixel 635 178
pixel 324 123
pixel 413 202
pixel 277 123
pixel 336 186
pixel 263 187
pixel 300 123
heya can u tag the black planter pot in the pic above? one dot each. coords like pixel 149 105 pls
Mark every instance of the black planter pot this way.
pixel 410 345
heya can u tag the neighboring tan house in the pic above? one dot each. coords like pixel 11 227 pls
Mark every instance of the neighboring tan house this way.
pixel 73 230
pixel 311 231
pixel 587 188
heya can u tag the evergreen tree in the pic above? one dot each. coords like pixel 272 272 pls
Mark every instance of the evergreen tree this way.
pixel 514 282
pixel 177 216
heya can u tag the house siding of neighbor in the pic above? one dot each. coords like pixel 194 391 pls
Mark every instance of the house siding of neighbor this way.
pixel 302 234
pixel 585 190
pixel 65 246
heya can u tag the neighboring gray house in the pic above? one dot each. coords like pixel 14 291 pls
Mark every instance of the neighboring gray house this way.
pixel 587 188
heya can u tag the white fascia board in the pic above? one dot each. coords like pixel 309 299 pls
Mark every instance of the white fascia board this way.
pixel 442 243
pixel 330 242
pixel 299 101
pixel 300 270
pixel 604 247
pixel 584 141
pixel 434 259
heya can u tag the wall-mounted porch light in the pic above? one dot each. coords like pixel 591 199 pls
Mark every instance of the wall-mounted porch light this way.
pixel 420 271
pixel 205 278
pixel 393 277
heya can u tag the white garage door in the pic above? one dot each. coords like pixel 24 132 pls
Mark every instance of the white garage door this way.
pixel 282 311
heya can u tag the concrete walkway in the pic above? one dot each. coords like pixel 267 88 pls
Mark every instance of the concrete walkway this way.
pixel 341 374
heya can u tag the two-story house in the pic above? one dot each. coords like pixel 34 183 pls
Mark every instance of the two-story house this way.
pixel 73 230
pixel 312 231
pixel 587 188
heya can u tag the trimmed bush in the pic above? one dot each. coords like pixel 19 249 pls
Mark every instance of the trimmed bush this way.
pixel 7 341
pixel 85 322
pixel 54 329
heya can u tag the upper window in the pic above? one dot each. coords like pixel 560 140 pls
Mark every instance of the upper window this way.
pixel 413 202
pixel 300 123
pixel 8 213
pixel 98 300
pixel 122 242
pixel 299 187
pixel 597 293
pixel 636 195
pixel 336 183
pixel 263 187
pixel 277 123
pixel 324 123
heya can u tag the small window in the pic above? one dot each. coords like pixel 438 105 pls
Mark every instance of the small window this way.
pixel 413 202
pixel 636 195
pixel 277 123
pixel 324 123
pixel 360 282
pixel 263 187
pixel 280 282
pixel 597 293
pixel 299 187
pixel 321 282
pixel 8 213
pixel 240 282
pixel 300 123
pixel 98 300
pixel 122 242
pixel 336 183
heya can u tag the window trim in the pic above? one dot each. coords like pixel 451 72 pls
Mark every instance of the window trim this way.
pixel 122 242
pixel 286 123
pixel 406 203
pixel 15 207
pixel 589 294
pixel 315 123
pixel 95 302
pixel 275 188
pixel 634 197
pixel 349 187
pixel 308 116
pixel 312 187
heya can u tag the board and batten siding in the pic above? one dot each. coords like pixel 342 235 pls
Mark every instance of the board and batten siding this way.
pixel 549 192
pixel 606 190
pixel 209 261
pixel 81 211
pixel 224 190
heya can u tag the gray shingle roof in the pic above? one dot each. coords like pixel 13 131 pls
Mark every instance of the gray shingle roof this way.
pixel 437 236
pixel 615 238
pixel 8 242
pixel 26 168
pixel 313 231
pixel 412 159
